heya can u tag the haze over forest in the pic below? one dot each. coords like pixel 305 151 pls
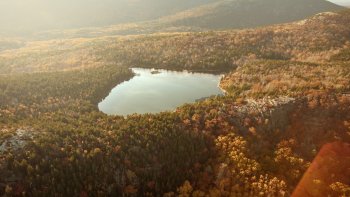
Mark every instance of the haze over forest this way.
pixel 34 15
pixel 20 17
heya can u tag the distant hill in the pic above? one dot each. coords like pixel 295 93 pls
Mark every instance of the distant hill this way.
pixel 18 16
pixel 221 14
pixel 345 3
pixel 248 13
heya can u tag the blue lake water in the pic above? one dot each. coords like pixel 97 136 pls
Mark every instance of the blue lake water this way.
pixel 155 92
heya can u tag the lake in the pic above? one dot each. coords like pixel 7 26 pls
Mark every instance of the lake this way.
pixel 152 91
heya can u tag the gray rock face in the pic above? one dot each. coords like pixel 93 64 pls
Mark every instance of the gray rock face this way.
pixel 273 113
pixel 17 141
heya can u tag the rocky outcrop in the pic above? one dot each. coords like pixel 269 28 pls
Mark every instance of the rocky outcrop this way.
pixel 17 141
pixel 269 113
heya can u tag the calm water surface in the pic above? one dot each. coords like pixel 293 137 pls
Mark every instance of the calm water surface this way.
pixel 151 93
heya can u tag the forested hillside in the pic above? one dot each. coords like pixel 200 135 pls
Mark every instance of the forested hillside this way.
pixel 44 20
pixel 320 38
pixel 286 97
pixel 246 14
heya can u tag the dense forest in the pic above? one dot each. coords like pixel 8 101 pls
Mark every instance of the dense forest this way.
pixel 321 38
pixel 287 95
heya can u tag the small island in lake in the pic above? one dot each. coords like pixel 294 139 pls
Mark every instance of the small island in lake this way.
pixel 154 72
